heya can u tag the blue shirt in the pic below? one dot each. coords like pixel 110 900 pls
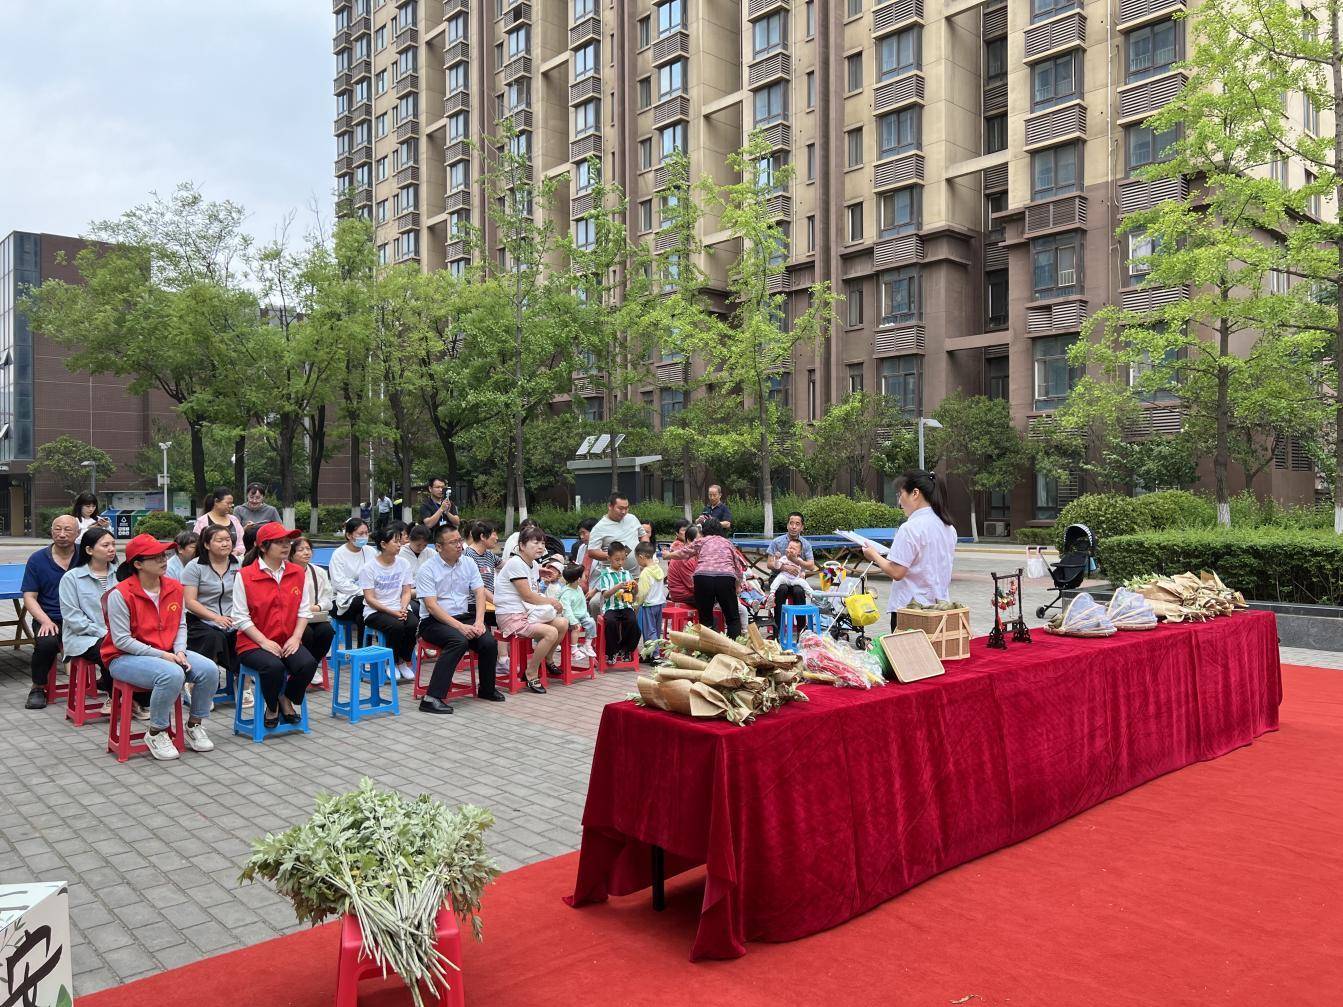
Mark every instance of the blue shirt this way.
pixel 720 512
pixel 779 547
pixel 42 575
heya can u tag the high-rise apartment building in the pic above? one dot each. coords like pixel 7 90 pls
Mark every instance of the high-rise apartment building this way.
pixel 959 170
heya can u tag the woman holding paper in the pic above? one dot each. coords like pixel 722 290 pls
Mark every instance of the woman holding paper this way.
pixel 924 548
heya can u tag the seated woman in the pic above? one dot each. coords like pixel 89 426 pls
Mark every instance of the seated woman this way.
pixel 316 604
pixel 267 600
pixel 519 585
pixel 219 511
pixel 346 563
pixel 82 587
pixel 186 545
pixel 85 511
pixel 146 646
pixel 388 584
pixel 207 589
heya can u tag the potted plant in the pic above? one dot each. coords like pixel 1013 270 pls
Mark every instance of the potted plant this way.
pixel 390 861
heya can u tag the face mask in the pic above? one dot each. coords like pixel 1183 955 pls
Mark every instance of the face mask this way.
pixel 359 543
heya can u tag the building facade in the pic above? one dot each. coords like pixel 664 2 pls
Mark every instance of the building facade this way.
pixel 959 171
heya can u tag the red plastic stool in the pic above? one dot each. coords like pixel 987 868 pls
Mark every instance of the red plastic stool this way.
pixel 353 966
pixel 425 651
pixel 125 742
pixel 568 673
pixel 519 650
pixel 676 617
pixel 322 680
pixel 55 690
pixel 603 665
pixel 82 701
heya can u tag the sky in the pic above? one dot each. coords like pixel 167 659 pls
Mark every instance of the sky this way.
pixel 98 109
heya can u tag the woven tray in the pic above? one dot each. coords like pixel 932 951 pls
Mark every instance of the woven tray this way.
pixel 1096 633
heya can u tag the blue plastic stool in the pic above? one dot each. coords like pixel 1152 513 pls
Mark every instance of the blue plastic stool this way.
pixel 343 639
pixel 373 665
pixel 255 725
pixel 788 619
pixel 228 687
pixel 378 636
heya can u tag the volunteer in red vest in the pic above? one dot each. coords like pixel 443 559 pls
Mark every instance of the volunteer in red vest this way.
pixel 266 612
pixel 146 645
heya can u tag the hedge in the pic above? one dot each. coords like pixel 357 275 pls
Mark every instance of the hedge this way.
pixel 160 524
pixel 1036 536
pixel 1265 564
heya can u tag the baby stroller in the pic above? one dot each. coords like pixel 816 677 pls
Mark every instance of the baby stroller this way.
pixel 1076 561
pixel 847 608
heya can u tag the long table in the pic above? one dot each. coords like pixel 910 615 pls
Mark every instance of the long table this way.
pixel 822 810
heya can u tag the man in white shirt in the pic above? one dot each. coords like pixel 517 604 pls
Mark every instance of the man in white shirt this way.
pixel 619 525
pixel 452 618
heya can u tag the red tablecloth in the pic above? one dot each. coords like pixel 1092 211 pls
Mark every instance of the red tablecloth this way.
pixel 822 810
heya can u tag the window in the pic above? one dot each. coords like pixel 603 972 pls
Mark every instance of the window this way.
pixel 995 134
pixel 344 143
pixel 457 78
pixel 498 55
pixel 1046 497
pixel 1146 146
pixel 995 299
pixel 646 215
pixel 380 82
pixel 771 103
pixel 1278 281
pixel 811 162
pixel 899 132
pixel 382 211
pixel 1277 169
pixel 407 152
pixel 361 92
pixel 667 209
pixel 854 137
pixel 768 33
pixel 407 63
pixel 380 39
pixel 593 410
pixel 768 170
pixel 811 395
pixel 585 61
pixel 457 123
pixel 810 8
pixel 585 233
pixel 380 125
pixel 382 255
pixel 671 16
pixel 995 60
pixel 780 389
pixel 996 376
pixel 518 94
pixel 517 40
pixel 670 139
pixel 582 8
pixel 811 89
pixel 587 117
pixel 855 212
pixel 457 176
pixel 342 102
pixel 811 233
pixel 521 145
pixel 1054 376
pixel 899 53
pixel 1054 81
pixel 645 153
pixel 1310 115
pixel 900 211
pixel 382 169
pixel 645 33
pixel 1140 249
pixel 456 28
pixel 363 133
pixel 1313 201
pixel 645 92
pixel 1152 49
pixel 406 14
pixel 854 8
pixel 853 308
pixel 1041 9
pixel 1055 266
pixel 672 402
pixel 1054 171
pixel 853 68
pixel 900 382
pixel 899 295
pixel 855 378
pixel 671 79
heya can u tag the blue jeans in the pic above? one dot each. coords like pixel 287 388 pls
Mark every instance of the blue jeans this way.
pixel 650 621
pixel 166 679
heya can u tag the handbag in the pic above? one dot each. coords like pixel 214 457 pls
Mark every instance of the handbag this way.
pixel 1036 568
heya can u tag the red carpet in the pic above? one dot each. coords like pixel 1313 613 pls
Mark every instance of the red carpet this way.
pixel 1218 884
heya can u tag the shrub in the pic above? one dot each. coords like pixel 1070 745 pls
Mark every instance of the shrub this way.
pixel 331 518
pixel 1175 509
pixel 160 524
pixel 824 514
pixel 1036 536
pixel 1267 564
pixel 1106 514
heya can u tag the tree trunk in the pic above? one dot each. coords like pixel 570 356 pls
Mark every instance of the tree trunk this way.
pixel 240 466
pixel 974 523
pixel 1336 82
pixel 316 448
pixel 1222 453
pixel 510 505
pixel 198 463
pixel 450 451
pixel 766 476
pixel 354 475
pixel 284 455
pixel 407 508
pixel 687 487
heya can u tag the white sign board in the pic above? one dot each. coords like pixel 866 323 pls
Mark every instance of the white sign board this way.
pixel 35 967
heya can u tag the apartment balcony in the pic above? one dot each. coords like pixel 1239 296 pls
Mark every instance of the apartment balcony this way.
pixel 673 109
pixel 585 147
pixel 587 30
pixel 993 22
pixel 342 82
pixel 777 135
pixel 360 69
pixel 457 249
pixel 779 206
pixel 996 256
pixel 344 164
pixel 662 177
pixel 897 171
pixel 1059 314
pixel 409 221
pixel 408 175
pixel 1067 122
pixel 459 101
pixel 361 111
pixel 1137 194
pixel 459 199
pixel 362 154
pixel 995 97
pixel 363 198
pixel 458 151
pixel 1134 12
pixel 1055 215
pixel 897 93
pixel 405 84
pixel 1145 298
pixel 341 40
pixel 779 283
pixel 518 12
pixel 759 8
pixel 407 38
pixel 518 66
pixel 767 69
pixel 407 128
pixel 338 5
pixel 1068 31
pixel 671 46
pixel 896 14
pixel 1145 98
pixel 458 52
pixel 451 7
pixel 666 240
pixel 902 250
pixel 521 117
pixel 342 123
pixel 588 87
pixel 897 339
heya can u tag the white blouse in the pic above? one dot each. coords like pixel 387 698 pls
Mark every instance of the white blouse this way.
pixel 925 547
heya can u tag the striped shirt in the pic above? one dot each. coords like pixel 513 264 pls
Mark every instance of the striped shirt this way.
pixel 608 579
pixel 487 562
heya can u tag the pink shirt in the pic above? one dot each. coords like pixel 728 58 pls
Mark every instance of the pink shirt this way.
pixel 718 557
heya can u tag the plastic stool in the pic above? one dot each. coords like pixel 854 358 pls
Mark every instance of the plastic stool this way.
pixel 373 665
pixel 228 687
pixel 603 665
pixel 322 680
pixel 254 726
pixel 425 651
pixel 379 638
pixel 55 690
pixel 568 673
pixel 676 617
pixel 126 742
pixel 788 622
pixel 519 650
pixel 353 965
pixel 82 701
pixel 343 639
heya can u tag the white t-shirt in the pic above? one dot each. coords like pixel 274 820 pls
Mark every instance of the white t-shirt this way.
pixel 507 601
pixel 386 581
pixel 926 548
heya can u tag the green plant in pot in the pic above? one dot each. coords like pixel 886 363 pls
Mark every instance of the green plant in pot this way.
pixel 390 861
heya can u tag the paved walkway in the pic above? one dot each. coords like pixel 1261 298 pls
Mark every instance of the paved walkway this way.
pixel 153 850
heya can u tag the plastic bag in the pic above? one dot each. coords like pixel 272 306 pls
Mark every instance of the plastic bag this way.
pixel 852 668
pixel 1036 568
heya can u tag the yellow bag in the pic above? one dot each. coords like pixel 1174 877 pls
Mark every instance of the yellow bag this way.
pixel 862 609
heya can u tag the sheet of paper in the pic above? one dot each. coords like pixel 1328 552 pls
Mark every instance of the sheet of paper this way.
pixel 862 542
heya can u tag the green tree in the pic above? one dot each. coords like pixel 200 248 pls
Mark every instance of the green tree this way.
pixel 980 446
pixel 66 460
pixel 846 438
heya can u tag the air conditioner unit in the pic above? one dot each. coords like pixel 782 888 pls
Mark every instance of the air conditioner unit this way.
pixel 995 529
pixel 1067 277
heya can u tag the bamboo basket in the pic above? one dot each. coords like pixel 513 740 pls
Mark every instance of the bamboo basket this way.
pixel 948 631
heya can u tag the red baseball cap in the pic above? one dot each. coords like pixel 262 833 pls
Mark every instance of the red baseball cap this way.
pixel 145 545
pixel 273 531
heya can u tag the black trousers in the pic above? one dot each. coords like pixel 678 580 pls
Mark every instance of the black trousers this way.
pixel 317 639
pixel 45 651
pixel 218 645
pixel 622 632
pixel 719 589
pixel 788 594
pixel 291 675
pixel 400 633
pixel 452 646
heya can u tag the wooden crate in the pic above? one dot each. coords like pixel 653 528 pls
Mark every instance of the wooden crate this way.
pixel 948 631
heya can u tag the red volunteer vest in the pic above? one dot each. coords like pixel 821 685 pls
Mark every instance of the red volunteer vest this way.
pixel 272 606
pixel 155 625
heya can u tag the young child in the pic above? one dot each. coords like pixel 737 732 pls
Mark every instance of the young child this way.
pixel 549 572
pixel 681 572
pixel 652 590
pixel 617 590
pixel 576 608
pixel 790 570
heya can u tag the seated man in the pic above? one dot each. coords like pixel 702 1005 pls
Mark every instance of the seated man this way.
pixel 452 618
pixel 41 589
pixel 790 555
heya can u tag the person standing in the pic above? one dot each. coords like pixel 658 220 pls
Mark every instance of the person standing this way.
pixel 219 511
pixel 384 510
pixel 41 587
pixel 924 548
pixel 619 525
pixel 787 591
pixel 86 512
pixel 256 511
pixel 437 508
pixel 718 575
pixel 452 618
pixel 717 509
pixel 387 584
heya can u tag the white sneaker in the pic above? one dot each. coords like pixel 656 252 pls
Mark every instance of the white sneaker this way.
pixel 161 746
pixel 139 712
pixel 406 672
pixel 198 740
pixel 502 663
pixel 186 693
pixel 248 700
pixel 106 709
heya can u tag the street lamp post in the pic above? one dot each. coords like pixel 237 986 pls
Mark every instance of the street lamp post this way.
pixel 926 421
pixel 163 478
pixel 92 466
